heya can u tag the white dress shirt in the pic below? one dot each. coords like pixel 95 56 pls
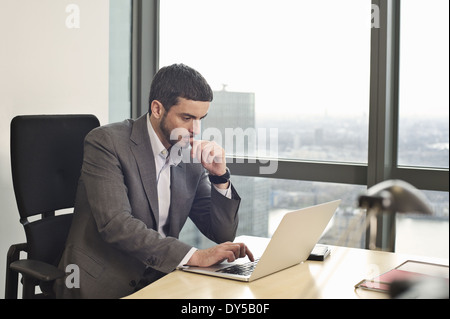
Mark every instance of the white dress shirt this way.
pixel 163 162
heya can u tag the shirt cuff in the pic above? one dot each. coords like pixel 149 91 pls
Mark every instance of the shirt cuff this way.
pixel 186 258
pixel 225 192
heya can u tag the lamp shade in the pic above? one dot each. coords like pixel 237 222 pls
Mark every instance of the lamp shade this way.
pixel 395 196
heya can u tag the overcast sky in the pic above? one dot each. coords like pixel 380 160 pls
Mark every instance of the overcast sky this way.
pixel 305 57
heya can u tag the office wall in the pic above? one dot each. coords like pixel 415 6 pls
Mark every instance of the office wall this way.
pixel 53 60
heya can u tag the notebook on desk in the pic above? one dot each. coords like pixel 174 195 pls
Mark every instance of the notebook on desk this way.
pixel 291 244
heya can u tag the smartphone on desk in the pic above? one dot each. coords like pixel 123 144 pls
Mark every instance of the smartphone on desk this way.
pixel 319 253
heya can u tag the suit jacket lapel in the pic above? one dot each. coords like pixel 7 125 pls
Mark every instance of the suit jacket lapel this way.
pixel 142 151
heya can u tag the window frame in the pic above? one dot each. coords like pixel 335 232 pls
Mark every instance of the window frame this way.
pixel 383 112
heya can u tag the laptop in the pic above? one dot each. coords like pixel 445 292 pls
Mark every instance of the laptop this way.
pixel 291 244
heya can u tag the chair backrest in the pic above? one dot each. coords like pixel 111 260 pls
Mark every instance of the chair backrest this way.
pixel 46 159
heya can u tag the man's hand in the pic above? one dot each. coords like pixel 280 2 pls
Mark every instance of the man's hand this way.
pixel 211 155
pixel 214 255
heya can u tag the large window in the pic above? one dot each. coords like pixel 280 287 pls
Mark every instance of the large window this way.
pixel 423 117
pixel 263 60
pixel 424 83
pixel 313 84
pixel 120 60
pixel 305 94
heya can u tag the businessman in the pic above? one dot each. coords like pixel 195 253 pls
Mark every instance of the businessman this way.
pixel 140 181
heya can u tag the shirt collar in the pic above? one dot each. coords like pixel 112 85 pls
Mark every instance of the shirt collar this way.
pixel 159 149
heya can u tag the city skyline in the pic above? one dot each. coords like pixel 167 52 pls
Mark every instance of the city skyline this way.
pixel 325 137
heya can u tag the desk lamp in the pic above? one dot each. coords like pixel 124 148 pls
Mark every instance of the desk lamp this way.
pixel 391 196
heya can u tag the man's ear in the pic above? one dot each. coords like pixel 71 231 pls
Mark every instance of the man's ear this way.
pixel 157 109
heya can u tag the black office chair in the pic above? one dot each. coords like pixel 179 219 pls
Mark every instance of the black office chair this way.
pixel 46 159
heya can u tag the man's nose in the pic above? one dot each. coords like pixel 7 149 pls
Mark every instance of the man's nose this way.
pixel 196 127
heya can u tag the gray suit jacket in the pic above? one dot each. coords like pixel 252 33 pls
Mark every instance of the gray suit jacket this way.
pixel 113 238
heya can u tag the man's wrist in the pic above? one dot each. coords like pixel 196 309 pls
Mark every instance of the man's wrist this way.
pixel 187 258
pixel 222 179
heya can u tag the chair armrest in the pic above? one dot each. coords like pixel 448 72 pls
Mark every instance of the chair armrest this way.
pixel 37 270
pixel 12 277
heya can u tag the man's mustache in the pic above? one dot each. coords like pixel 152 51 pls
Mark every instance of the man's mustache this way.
pixel 180 133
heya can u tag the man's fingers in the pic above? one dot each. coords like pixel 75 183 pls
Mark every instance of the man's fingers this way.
pixel 249 254
pixel 207 152
pixel 240 250
pixel 230 256
pixel 196 151
pixel 227 251
pixel 244 251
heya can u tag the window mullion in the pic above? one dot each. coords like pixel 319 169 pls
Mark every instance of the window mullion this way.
pixel 383 119
pixel 145 52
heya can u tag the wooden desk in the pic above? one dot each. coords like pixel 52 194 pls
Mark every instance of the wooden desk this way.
pixel 333 278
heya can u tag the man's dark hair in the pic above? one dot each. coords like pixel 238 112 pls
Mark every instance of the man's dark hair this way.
pixel 179 80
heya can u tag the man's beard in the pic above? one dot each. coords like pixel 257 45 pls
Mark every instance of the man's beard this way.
pixel 178 133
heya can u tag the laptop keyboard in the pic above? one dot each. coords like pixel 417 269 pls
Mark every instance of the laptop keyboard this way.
pixel 241 269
